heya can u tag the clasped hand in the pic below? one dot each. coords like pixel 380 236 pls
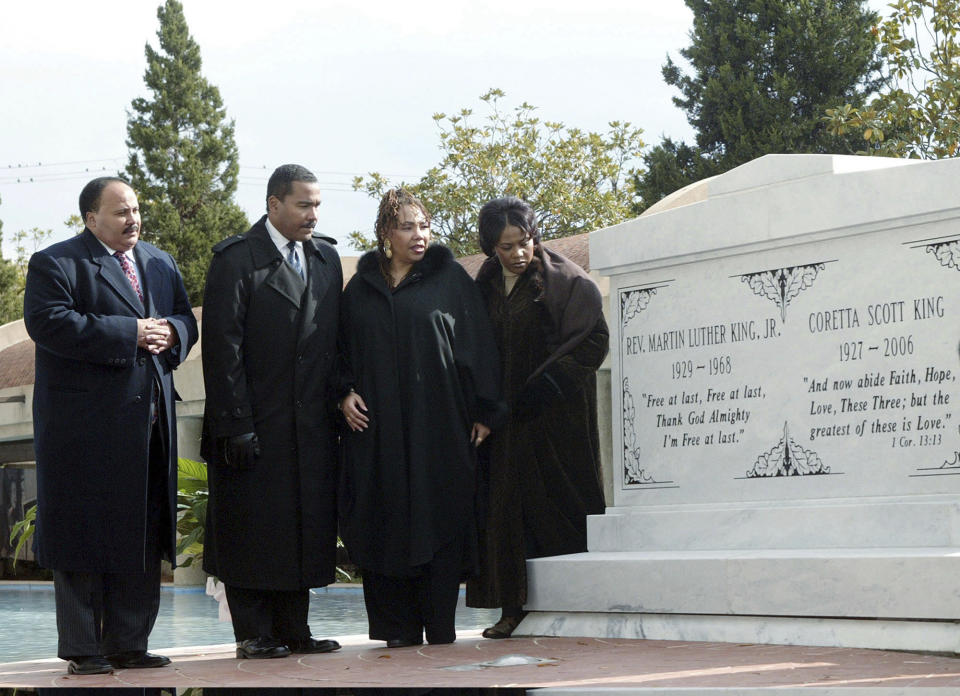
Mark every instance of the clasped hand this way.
pixel 156 335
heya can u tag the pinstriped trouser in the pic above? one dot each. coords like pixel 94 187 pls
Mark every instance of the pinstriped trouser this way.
pixel 108 613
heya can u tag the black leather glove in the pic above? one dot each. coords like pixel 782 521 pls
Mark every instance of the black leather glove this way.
pixel 536 396
pixel 240 451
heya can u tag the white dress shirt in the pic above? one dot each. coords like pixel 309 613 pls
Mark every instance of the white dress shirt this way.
pixel 282 242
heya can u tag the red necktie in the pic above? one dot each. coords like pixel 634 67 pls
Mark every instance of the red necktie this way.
pixel 128 271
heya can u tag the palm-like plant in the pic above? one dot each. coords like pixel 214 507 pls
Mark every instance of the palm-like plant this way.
pixel 22 532
pixel 192 496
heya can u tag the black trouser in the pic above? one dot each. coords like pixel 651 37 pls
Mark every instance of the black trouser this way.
pixel 108 613
pixel 403 607
pixel 269 613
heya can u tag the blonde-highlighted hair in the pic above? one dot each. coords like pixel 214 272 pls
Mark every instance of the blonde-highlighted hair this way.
pixel 388 214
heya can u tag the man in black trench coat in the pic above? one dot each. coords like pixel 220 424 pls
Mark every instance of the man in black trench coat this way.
pixel 111 321
pixel 269 340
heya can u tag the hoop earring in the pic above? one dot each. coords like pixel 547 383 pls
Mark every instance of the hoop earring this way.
pixel 387 249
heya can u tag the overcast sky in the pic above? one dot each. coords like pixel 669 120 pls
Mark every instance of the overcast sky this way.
pixel 343 88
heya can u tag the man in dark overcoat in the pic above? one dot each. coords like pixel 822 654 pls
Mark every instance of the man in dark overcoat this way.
pixel 111 321
pixel 269 341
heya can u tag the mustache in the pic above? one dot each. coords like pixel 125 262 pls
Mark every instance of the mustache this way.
pixel 132 228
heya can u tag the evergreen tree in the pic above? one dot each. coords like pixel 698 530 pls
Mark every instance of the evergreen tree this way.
pixel 669 167
pixel 183 160
pixel 763 73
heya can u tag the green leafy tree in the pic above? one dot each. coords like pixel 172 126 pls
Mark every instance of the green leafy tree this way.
pixel 11 290
pixel 13 273
pixel 918 112
pixel 183 160
pixel 577 181
pixel 74 223
pixel 8 284
pixel 762 74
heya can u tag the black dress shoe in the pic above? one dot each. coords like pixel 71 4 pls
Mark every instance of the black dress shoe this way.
pixel 312 645
pixel 261 649
pixel 403 642
pixel 137 659
pixel 89 664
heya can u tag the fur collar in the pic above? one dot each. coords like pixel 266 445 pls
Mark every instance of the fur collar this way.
pixel 436 257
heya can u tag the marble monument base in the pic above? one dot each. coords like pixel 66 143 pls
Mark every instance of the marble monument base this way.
pixel 877 574
pixel 926 636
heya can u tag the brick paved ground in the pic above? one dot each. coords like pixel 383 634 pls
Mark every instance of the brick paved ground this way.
pixel 583 663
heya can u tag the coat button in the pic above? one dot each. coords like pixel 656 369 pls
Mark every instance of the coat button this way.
pixel 299 404
pixel 138 399
pixel 123 361
pixel 141 361
pixel 238 411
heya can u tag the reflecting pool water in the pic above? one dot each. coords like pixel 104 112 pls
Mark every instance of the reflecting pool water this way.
pixel 28 624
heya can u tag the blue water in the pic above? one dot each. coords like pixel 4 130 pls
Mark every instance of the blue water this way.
pixel 28 623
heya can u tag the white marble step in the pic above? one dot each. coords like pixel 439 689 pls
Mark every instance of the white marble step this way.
pixel 889 583
pixel 932 523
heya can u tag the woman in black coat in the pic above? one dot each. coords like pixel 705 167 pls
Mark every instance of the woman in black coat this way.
pixel 421 388
pixel 544 468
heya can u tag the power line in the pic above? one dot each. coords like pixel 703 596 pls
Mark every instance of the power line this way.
pixel 335 173
pixel 259 168
pixel 49 176
pixel 39 165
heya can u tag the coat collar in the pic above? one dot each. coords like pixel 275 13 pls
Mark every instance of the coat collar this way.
pixel 433 260
pixel 111 273
pixel 265 252
pixel 283 278
pixel 369 267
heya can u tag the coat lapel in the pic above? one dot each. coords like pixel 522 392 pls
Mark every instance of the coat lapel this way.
pixel 150 280
pixel 319 277
pixel 109 272
pixel 283 279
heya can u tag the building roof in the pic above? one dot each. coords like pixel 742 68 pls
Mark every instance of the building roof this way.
pixel 16 364
pixel 16 359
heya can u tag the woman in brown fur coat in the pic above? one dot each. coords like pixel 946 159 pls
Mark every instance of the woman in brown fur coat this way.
pixel 544 465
